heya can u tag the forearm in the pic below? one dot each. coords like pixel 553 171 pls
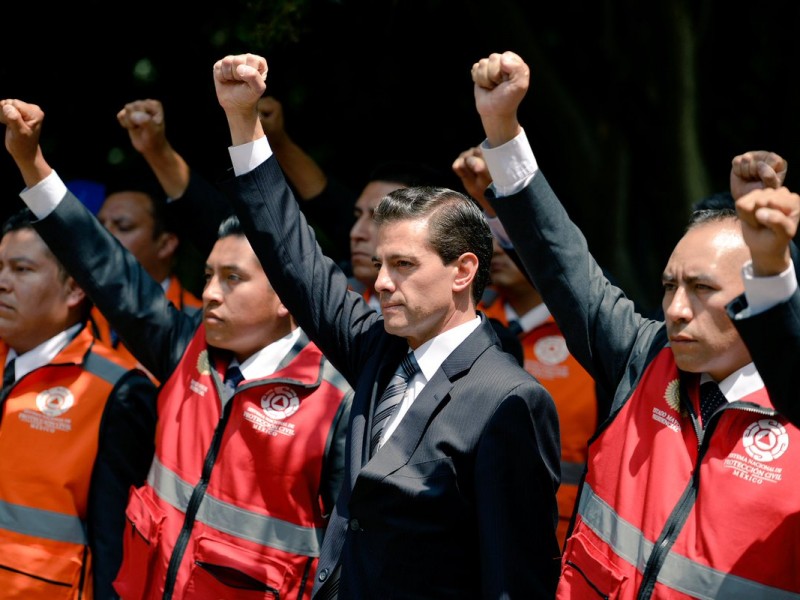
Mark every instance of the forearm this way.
pixel 305 175
pixel 134 304
pixel 170 169
pixel 309 284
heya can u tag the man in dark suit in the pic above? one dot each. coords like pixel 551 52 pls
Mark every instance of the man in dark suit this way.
pixel 457 500
pixel 692 486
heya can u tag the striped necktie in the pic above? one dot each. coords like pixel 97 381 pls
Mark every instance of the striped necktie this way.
pixel 391 397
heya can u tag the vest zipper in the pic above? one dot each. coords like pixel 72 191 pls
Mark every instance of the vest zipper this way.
pixel 198 493
pixel 680 513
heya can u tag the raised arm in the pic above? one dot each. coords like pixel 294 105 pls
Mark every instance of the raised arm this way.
pixel 600 324
pixel 769 221
pixel 135 305
pixel 310 285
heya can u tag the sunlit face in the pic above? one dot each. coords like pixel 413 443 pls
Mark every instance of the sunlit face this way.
pixel 35 297
pixel 241 311
pixel 416 289
pixel 128 216
pixel 701 277
pixel 364 233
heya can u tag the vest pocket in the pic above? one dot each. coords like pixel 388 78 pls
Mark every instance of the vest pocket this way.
pixel 223 570
pixel 587 573
pixel 36 572
pixel 140 545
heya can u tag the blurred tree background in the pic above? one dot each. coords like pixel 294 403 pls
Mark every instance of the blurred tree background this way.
pixel 635 109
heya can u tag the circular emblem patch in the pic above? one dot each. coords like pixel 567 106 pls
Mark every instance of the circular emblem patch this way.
pixel 203 366
pixel 765 440
pixel 673 395
pixel 55 401
pixel 281 402
pixel 551 350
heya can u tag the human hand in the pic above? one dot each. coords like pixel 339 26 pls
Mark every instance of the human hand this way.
pixel 270 112
pixel 474 175
pixel 240 81
pixel 144 120
pixel 757 169
pixel 501 82
pixel 23 123
pixel 769 220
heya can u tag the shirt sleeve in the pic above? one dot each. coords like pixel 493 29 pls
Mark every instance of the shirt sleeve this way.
pixel 763 293
pixel 45 196
pixel 512 165
pixel 246 157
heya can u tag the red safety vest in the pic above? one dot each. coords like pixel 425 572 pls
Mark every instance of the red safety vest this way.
pixel 717 519
pixel 48 445
pixel 232 502
pixel 573 391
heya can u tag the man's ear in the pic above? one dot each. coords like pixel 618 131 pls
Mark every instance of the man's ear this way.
pixel 168 244
pixel 74 293
pixel 466 269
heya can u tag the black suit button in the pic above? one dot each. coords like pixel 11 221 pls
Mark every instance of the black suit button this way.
pixel 323 575
pixel 354 526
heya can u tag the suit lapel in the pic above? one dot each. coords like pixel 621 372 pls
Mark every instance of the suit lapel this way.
pixel 404 440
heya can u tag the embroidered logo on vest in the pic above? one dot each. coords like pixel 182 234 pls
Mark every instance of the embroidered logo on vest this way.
pixel 765 440
pixel 673 395
pixel 203 365
pixel 280 402
pixel 55 401
pixel 203 368
pixel 52 404
pixel 672 398
pixel 551 350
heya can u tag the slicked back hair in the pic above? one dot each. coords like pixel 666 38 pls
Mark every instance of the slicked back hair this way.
pixel 230 226
pixel 711 215
pixel 455 225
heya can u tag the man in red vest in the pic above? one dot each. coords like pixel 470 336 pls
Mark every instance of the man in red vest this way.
pixel 251 416
pixel 692 485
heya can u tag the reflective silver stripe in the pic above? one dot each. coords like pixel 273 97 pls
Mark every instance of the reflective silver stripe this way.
pixel 678 572
pixel 571 472
pixel 235 520
pixel 333 377
pixel 44 524
pixel 103 368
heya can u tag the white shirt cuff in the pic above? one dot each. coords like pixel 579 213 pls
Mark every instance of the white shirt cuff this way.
pixel 45 196
pixel 763 293
pixel 246 157
pixel 511 165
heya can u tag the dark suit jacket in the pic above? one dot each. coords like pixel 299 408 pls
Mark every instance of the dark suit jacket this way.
pixel 777 354
pixel 602 327
pixel 460 502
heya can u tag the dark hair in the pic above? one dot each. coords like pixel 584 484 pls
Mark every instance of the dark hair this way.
pixel 717 201
pixel 24 219
pixel 230 226
pixel 711 215
pixel 455 225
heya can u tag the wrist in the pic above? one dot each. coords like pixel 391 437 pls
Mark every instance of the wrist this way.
pixel 500 130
